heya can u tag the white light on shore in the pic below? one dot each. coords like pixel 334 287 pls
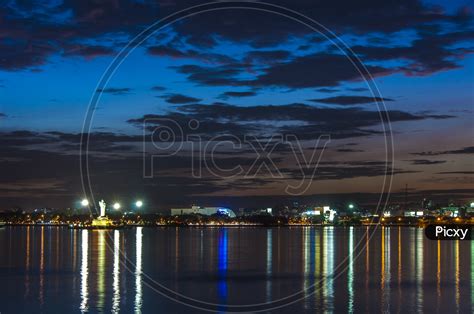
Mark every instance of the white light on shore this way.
pixel 139 204
pixel 117 206
pixel 85 202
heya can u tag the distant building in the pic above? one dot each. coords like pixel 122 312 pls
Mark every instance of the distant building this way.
pixel 325 211
pixel 261 211
pixel 450 211
pixel 414 213
pixel 206 211
pixel 470 208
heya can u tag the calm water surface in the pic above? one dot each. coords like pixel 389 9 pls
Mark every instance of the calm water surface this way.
pixel 294 270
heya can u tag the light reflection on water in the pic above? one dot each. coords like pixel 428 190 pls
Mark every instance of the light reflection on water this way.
pixel 116 273
pixel 268 287
pixel 84 270
pixel 398 269
pixel 138 270
pixel 350 271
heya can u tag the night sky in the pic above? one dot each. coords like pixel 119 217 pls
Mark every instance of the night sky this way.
pixel 246 76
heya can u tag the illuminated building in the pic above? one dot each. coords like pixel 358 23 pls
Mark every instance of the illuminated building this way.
pixel 316 211
pixel 206 211
pixel 311 213
pixel 328 213
pixel 450 211
pixel 470 208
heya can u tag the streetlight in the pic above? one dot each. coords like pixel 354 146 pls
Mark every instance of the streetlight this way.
pixel 351 206
pixel 116 206
pixel 85 202
pixel 139 204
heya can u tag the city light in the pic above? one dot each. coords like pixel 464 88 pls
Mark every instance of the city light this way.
pixel 312 213
pixel 117 206
pixel 139 204
pixel 85 202
pixel 351 206
pixel 472 205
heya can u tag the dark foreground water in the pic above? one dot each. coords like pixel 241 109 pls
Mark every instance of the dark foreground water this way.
pixel 172 270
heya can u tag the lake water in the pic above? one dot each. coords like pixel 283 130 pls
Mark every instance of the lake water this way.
pixel 187 270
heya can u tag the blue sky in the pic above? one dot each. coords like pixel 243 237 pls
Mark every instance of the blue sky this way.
pixel 227 69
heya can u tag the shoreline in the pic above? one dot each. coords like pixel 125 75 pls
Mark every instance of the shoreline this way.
pixel 234 226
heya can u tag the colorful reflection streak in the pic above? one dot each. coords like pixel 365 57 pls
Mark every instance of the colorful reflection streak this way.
pixel 419 269
pixel 222 265
pixel 350 271
pixel 116 274
pixel 41 281
pixel 27 266
pixel 84 271
pixel 268 285
pixel 328 262
pixel 138 270
pixel 101 261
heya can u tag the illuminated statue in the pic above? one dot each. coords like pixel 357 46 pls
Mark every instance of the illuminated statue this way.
pixel 102 208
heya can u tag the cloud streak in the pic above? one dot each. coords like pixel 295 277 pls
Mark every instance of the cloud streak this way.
pixel 461 151
pixel 350 100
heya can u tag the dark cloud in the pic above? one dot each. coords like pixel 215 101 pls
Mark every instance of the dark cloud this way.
pixel 213 76
pixel 349 150
pixel 451 180
pixel 303 121
pixel 36 31
pixel 17 55
pixel 358 89
pixel 343 172
pixel 115 90
pixel 2 115
pixel 260 29
pixel 426 162
pixel 167 51
pixel 312 71
pixel 315 70
pixel 180 99
pixel 88 52
pixel 33 32
pixel 237 94
pixel 456 172
pixel 301 112
pixel 267 29
pixel 433 52
pixel 439 116
pixel 350 100
pixel 30 162
pixel 327 90
pixel 465 150
pixel 430 53
pixel 266 56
